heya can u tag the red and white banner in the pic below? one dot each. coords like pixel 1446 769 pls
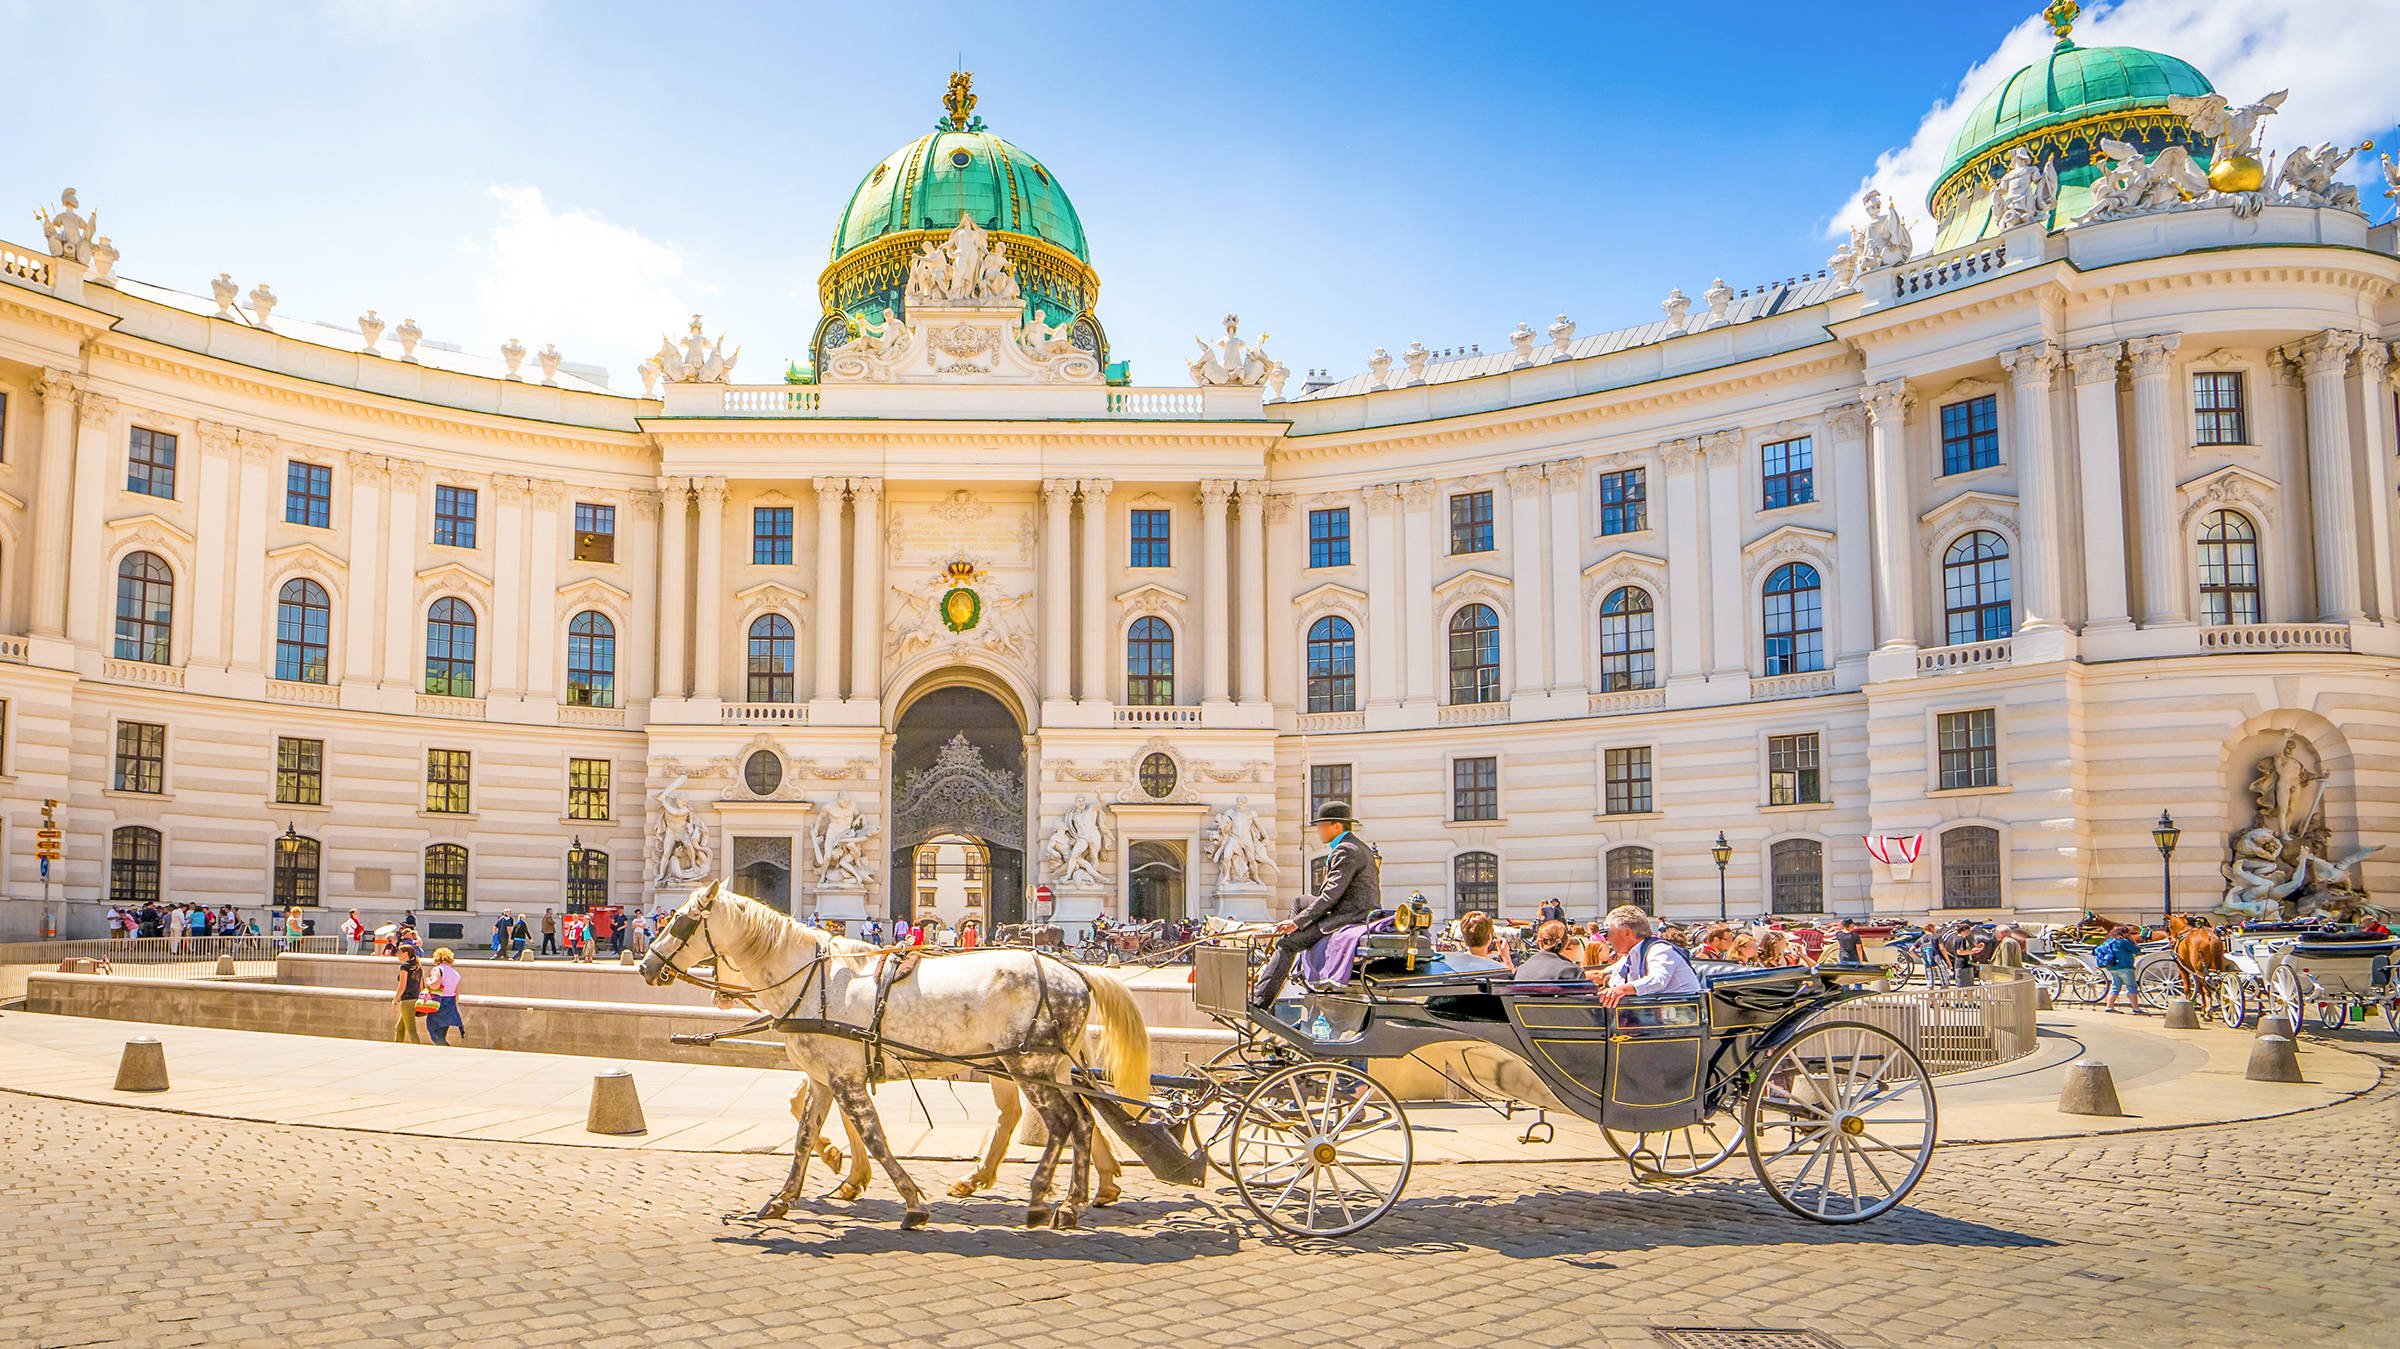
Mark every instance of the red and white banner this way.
pixel 1899 852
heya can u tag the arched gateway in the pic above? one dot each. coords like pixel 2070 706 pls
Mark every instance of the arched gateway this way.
pixel 958 809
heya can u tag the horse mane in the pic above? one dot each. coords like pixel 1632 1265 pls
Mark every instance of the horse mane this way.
pixel 771 929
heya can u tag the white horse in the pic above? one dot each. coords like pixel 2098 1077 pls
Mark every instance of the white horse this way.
pixel 1025 1012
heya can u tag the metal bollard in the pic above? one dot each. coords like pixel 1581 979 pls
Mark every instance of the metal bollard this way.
pixel 2088 1090
pixel 143 1067
pixel 2181 1015
pixel 616 1108
pixel 2273 1058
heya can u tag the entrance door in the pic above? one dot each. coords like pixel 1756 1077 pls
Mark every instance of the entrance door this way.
pixel 958 765
pixel 1156 870
pixel 762 869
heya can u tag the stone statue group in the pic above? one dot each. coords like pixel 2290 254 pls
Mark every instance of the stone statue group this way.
pixel 2281 865
pixel 840 845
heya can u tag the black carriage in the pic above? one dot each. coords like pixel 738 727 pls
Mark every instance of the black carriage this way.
pixel 1836 1116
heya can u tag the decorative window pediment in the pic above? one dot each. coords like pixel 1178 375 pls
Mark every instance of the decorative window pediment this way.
pixel 765 592
pixel 304 557
pixel 1152 598
pixel 2232 487
pixel 153 528
pixel 1967 510
pixel 1474 579
pixel 1788 543
pixel 1626 567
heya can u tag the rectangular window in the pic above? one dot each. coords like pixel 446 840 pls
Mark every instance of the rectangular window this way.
pixel 454 516
pixel 299 771
pixel 308 495
pixel 1969 749
pixel 150 463
pixel 3 426
pixel 1150 539
pixel 1625 502
pixel 2219 415
pixel 1327 782
pixel 771 536
pixel 1626 774
pixel 141 757
pixel 1471 522
pixel 1792 776
pixel 1790 469
pixel 1475 789
pixel 1329 537
pixel 587 789
pixel 1970 434
pixel 595 532
pixel 446 781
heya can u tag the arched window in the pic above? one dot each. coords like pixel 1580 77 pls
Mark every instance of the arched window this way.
pixel 133 853
pixel 1475 655
pixel 774 661
pixel 1150 663
pixel 145 609
pixel 587 879
pixel 1975 589
pixel 2228 569
pixel 1971 868
pixel 1332 665
pixel 446 878
pixel 592 660
pixel 1796 873
pixel 296 873
pixel 1628 641
pixel 1475 882
pixel 1795 620
pixel 1629 879
pixel 303 620
pixel 450 649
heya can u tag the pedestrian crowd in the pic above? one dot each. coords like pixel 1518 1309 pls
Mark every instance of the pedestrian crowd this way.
pixel 179 922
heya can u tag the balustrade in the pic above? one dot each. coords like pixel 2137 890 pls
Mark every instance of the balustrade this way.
pixel 1772 687
pixel 2277 637
pixel 1158 716
pixel 779 714
pixel 1964 656
pixel 142 672
pixel 1472 714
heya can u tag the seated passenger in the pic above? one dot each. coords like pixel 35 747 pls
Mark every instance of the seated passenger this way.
pixel 1743 948
pixel 1547 964
pixel 1777 949
pixel 1484 950
pixel 1647 965
pixel 1716 942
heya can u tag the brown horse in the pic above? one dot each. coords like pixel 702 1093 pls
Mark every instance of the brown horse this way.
pixel 2199 957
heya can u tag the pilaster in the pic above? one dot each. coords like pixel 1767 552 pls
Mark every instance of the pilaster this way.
pixel 2156 451
pixel 1251 566
pixel 1216 617
pixel 825 637
pixel 866 589
pixel 2325 359
pixel 2100 459
pixel 1093 608
pixel 708 593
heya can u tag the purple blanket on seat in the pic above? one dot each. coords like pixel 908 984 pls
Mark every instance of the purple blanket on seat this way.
pixel 1330 960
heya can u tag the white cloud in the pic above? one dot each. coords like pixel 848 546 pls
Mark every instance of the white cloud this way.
pixel 2335 58
pixel 602 292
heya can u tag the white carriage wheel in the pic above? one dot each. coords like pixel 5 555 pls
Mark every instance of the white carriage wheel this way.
pixel 2333 1016
pixel 2155 985
pixel 1320 1150
pixel 1677 1154
pixel 2049 982
pixel 2285 999
pixel 2391 1015
pixel 1840 1126
pixel 2240 1003
pixel 2091 987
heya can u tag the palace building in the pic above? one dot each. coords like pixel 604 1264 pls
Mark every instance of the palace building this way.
pixel 1990 554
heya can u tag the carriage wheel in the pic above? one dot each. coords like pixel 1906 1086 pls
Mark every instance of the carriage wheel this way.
pixel 2090 987
pixel 2049 981
pixel 1235 1070
pixel 1841 1124
pixel 2239 1000
pixel 2284 998
pixel 1677 1154
pixel 2155 985
pixel 2332 1016
pixel 2391 1017
pixel 1320 1150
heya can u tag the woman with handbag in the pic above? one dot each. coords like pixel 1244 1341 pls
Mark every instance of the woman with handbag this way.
pixel 404 1000
pixel 441 985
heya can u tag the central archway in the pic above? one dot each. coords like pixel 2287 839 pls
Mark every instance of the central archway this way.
pixel 958 775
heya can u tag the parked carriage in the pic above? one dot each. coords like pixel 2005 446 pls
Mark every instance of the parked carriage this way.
pixel 2294 969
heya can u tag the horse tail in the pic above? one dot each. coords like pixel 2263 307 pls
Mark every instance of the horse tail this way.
pixel 1124 1040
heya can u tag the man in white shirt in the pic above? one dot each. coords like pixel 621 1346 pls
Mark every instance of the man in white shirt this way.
pixel 1647 965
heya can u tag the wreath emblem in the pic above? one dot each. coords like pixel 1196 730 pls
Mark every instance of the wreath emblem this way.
pixel 961 607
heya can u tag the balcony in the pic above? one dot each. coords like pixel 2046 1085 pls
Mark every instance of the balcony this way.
pixel 313 695
pixel 1158 716
pixel 1318 723
pixel 2277 637
pixel 1965 656
pixel 1771 688
pixel 142 672
pixel 773 400
pixel 769 714
pixel 456 709
pixel 1627 700
pixel 886 400
pixel 1472 714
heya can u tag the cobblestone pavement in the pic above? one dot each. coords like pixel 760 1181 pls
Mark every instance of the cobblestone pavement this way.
pixel 140 1227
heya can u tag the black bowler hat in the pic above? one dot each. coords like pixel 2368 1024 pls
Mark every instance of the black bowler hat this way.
pixel 1335 812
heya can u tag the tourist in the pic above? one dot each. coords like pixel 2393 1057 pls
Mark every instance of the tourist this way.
pixel 442 981
pixel 1645 966
pixel 354 933
pixel 1716 942
pixel 521 936
pixel 570 932
pixel 1777 950
pixel 1483 949
pixel 969 933
pixel 549 932
pixel 500 936
pixel 2115 957
pixel 412 982
pixel 2006 951
pixel 295 926
pixel 1742 949
pixel 1550 963
pixel 1846 942
pixel 874 933
pixel 641 934
pixel 1552 911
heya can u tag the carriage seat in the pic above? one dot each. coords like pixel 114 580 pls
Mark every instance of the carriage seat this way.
pixel 1746 995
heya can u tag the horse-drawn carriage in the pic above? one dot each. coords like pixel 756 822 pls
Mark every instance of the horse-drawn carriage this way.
pixel 2293 969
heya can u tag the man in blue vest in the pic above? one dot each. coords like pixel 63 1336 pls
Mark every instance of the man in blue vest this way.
pixel 1349 893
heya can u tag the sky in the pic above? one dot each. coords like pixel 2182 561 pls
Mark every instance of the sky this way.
pixel 1343 177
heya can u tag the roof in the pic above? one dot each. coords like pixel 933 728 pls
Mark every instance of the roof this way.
pixel 2069 84
pixel 929 182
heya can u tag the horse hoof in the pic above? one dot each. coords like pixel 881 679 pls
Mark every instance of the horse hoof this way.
pixel 1038 1215
pixel 914 1219
pixel 845 1192
pixel 1065 1220
pixel 770 1210
pixel 1108 1195
pixel 964 1189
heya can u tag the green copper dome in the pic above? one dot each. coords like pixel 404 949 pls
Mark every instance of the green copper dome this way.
pixel 928 183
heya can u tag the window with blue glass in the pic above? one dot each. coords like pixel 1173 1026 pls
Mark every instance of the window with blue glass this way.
pixel 1970 434
pixel 1332 665
pixel 771 536
pixel 1624 502
pixel 308 495
pixel 454 516
pixel 1795 620
pixel 1150 539
pixel 303 628
pixel 1790 469
pixel 1471 522
pixel 1329 537
pixel 150 463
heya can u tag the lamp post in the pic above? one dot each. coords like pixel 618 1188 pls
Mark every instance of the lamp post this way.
pixel 287 852
pixel 1721 853
pixel 2166 835
pixel 574 871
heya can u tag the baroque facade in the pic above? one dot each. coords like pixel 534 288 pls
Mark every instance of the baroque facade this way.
pixel 1987 556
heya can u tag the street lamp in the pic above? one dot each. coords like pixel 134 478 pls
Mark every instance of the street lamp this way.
pixel 2166 835
pixel 1722 853
pixel 287 855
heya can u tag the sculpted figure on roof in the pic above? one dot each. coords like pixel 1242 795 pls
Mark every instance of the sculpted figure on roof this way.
pixel 698 361
pixel 67 232
pixel 1231 361
pixel 2026 192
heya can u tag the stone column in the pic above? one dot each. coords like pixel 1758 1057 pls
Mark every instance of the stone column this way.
pixel 827 605
pixel 1058 500
pixel 503 644
pixel 402 637
pixel 1687 559
pixel 88 592
pixel 708 592
pixel 1216 585
pixel 1425 652
pixel 2289 579
pixel 2332 476
pixel 1895 515
pixel 1385 577
pixel 53 502
pixel 866 588
pixel 213 469
pixel 639 650
pixel 2094 372
pixel 1853 531
pixel 2375 419
pixel 1565 480
pixel 359 602
pixel 256 498
pixel 545 632
pixel 1528 572
pixel 1277 642
pixel 1730 604
pixel 674 591
pixel 1251 558
pixel 1093 610
pixel 2040 603
pixel 2156 450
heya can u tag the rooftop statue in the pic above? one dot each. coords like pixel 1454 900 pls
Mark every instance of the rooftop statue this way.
pixel 2307 178
pixel 2132 185
pixel 2391 178
pixel 1885 242
pixel 968 268
pixel 2026 193
pixel 699 361
pixel 1231 361
pixel 68 233
pixel 2232 131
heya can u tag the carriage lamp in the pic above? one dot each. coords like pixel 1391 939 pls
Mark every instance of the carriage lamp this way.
pixel 2166 835
pixel 1721 853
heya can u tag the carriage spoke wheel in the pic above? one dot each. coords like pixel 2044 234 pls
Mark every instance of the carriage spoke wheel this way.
pixel 2284 998
pixel 1319 1150
pixel 2090 987
pixel 2235 995
pixel 1841 1124
pixel 2333 1016
pixel 2157 984
pixel 1677 1154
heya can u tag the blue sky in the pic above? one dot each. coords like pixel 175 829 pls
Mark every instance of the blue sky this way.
pixel 1345 177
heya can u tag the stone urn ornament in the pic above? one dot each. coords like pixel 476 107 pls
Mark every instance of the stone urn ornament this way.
pixel 371 328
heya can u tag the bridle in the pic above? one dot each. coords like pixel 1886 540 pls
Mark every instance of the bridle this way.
pixel 680 930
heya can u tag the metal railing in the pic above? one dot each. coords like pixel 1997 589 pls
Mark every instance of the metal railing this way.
pixel 1954 1030
pixel 159 957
